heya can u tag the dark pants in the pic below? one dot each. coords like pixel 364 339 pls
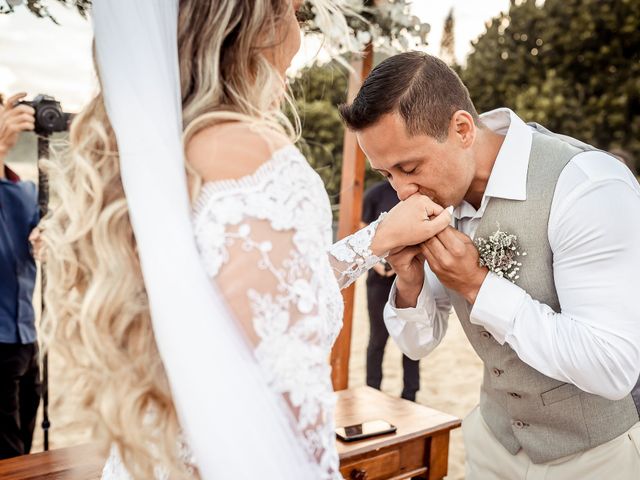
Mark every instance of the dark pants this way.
pixel 377 294
pixel 19 397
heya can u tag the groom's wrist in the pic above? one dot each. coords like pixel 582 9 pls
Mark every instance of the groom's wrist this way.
pixel 407 293
pixel 474 286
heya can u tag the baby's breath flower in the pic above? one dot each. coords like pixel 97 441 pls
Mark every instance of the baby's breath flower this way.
pixel 499 253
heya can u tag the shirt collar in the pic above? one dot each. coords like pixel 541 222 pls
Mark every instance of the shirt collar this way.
pixel 508 178
pixel 10 175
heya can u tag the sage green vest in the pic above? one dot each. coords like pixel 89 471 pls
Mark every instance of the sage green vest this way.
pixel 525 409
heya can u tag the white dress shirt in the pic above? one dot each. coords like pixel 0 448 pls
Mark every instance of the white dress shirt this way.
pixel 594 233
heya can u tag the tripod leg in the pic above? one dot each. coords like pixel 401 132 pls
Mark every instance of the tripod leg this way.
pixel 43 203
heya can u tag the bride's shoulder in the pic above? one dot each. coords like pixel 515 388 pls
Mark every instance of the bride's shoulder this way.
pixel 232 150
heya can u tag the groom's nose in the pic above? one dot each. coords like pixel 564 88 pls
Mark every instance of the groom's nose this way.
pixel 404 189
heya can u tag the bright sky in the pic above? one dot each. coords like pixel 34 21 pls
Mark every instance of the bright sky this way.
pixel 38 56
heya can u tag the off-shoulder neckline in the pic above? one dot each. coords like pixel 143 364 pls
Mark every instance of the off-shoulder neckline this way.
pixel 211 187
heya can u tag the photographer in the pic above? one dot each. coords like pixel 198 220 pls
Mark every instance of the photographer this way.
pixel 19 363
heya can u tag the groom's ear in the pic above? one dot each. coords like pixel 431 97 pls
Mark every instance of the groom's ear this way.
pixel 462 128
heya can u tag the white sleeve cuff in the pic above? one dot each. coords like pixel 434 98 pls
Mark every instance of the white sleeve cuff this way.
pixel 397 318
pixel 497 305
pixel 412 314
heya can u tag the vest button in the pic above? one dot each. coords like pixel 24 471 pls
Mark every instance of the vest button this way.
pixel 497 372
pixel 514 395
pixel 520 424
pixel 485 334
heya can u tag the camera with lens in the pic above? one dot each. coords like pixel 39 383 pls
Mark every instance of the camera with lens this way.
pixel 49 115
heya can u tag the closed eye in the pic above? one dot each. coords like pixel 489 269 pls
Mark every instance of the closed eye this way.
pixel 408 172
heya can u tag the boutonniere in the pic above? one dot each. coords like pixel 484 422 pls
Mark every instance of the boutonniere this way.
pixel 499 253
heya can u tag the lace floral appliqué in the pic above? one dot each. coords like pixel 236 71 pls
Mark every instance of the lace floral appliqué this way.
pixel 353 254
pixel 274 229
pixel 297 312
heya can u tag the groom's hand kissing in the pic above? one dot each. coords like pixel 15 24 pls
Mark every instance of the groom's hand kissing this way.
pixel 453 257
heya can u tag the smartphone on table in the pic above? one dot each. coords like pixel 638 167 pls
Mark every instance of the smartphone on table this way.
pixel 364 430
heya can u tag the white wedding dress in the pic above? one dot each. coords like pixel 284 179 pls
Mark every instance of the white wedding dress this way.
pixel 266 240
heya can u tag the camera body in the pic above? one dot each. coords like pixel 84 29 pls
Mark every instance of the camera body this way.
pixel 49 115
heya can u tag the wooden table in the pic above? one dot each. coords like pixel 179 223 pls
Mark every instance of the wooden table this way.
pixel 74 463
pixel 419 448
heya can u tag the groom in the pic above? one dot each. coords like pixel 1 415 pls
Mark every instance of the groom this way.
pixel 561 343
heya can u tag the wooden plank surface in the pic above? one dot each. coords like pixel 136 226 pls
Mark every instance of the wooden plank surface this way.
pixel 361 404
pixel 74 463
pixel 351 191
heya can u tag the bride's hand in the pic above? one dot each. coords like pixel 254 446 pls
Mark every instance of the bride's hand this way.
pixel 410 222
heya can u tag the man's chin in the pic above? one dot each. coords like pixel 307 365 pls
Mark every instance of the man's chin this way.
pixel 438 201
pixel 444 203
pixel 432 197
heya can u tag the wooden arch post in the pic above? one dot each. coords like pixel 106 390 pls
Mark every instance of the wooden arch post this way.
pixel 351 189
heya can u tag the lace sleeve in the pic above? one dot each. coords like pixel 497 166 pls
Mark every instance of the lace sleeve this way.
pixel 264 247
pixel 352 256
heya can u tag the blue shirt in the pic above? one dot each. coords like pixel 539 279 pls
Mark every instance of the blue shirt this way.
pixel 18 216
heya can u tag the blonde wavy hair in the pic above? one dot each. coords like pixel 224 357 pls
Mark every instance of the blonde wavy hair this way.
pixel 97 309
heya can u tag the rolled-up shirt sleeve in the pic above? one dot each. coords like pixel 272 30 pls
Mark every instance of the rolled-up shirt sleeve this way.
pixel 594 341
pixel 418 330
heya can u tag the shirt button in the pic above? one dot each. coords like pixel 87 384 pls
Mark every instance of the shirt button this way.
pixel 519 424
pixel 514 395
pixel 485 334
pixel 497 372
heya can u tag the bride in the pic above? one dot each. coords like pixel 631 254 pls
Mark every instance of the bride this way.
pixel 198 333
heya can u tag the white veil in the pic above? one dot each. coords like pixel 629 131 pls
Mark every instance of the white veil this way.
pixel 236 427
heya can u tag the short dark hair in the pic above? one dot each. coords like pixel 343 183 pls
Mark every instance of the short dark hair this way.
pixel 419 86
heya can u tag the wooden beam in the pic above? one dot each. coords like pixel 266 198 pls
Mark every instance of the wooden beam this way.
pixel 351 190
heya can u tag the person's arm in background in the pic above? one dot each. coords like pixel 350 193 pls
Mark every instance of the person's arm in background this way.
pixel 14 119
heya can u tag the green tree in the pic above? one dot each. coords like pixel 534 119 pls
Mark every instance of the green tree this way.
pixel 318 92
pixel 448 40
pixel 571 65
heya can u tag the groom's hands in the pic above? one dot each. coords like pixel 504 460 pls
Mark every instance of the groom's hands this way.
pixel 454 259
pixel 407 224
pixel 451 256
pixel 408 263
